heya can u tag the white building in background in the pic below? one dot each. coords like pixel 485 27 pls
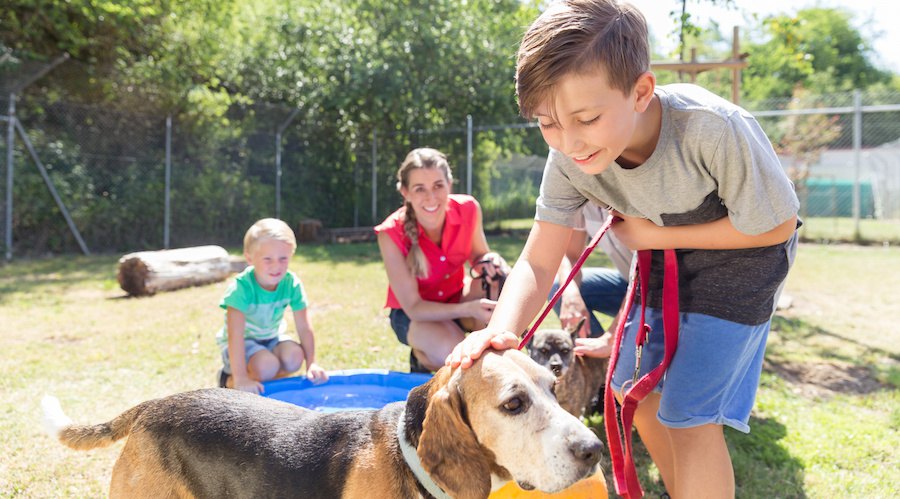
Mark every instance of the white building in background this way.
pixel 835 172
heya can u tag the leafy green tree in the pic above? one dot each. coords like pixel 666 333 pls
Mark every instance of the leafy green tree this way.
pixel 819 48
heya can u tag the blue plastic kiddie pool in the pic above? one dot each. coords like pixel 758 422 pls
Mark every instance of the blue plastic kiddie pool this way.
pixel 347 389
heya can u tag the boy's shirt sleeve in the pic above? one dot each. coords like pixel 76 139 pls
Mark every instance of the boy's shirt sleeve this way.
pixel 751 181
pixel 297 294
pixel 237 296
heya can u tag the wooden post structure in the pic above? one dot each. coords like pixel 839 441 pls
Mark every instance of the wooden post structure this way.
pixel 736 62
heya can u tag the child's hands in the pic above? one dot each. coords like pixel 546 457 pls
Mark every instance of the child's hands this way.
pixel 466 351
pixel 316 374
pixel 248 385
pixel 637 233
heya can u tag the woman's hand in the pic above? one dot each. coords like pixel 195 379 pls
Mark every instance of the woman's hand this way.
pixel 481 310
pixel 491 265
pixel 471 348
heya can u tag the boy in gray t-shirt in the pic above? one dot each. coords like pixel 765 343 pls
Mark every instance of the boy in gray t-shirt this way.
pixel 684 170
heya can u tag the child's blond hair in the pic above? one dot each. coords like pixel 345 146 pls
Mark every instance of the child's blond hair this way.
pixel 576 37
pixel 268 228
pixel 423 157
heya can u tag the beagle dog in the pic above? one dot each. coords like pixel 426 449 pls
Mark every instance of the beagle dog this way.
pixel 580 379
pixel 463 434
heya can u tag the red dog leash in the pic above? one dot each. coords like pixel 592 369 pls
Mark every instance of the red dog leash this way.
pixel 627 483
pixel 575 268
pixel 626 480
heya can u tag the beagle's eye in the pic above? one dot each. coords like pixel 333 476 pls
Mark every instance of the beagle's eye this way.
pixel 514 405
pixel 545 351
pixel 565 351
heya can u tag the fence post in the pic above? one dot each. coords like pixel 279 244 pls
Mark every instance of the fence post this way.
pixel 278 175
pixel 10 142
pixel 469 154
pixel 374 177
pixel 167 212
pixel 278 133
pixel 857 147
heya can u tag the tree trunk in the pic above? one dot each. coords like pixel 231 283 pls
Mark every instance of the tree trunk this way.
pixel 148 272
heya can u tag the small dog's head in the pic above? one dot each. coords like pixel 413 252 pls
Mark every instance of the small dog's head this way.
pixel 554 348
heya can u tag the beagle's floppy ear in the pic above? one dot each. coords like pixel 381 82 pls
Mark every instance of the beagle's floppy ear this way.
pixel 449 450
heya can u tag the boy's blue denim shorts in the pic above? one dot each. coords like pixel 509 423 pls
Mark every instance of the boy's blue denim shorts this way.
pixel 713 376
pixel 253 346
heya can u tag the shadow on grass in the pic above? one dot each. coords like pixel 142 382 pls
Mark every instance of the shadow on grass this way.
pixel 352 253
pixel 762 463
pixel 866 368
pixel 26 276
pixel 796 329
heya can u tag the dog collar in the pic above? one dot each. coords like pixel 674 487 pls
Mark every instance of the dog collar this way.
pixel 412 460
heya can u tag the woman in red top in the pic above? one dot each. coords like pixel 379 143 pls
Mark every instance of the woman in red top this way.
pixel 425 245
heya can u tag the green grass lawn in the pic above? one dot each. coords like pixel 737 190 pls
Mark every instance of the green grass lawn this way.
pixel 825 424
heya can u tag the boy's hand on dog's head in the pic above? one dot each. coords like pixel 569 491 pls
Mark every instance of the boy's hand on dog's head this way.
pixel 468 350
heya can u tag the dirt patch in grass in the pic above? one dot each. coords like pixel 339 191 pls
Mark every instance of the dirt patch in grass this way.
pixel 825 379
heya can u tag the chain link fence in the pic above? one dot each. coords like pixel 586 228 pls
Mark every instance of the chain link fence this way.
pixel 135 179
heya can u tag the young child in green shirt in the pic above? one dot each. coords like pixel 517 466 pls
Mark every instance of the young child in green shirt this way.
pixel 254 340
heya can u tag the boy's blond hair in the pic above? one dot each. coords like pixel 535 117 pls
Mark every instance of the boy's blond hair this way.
pixel 424 157
pixel 268 228
pixel 579 37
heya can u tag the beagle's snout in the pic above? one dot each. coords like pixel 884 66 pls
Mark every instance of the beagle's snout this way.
pixel 587 450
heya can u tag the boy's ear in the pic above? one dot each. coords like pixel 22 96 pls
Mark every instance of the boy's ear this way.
pixel 643 90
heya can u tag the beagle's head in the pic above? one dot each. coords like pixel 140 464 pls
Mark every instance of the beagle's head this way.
pixel 498 421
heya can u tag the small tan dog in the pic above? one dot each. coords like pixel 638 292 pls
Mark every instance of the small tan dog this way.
pixel 462 434
pixel 579 378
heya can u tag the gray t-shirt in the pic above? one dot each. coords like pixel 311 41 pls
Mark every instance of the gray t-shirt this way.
pixel 712 160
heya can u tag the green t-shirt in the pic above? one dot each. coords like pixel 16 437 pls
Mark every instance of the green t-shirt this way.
pixel 263 310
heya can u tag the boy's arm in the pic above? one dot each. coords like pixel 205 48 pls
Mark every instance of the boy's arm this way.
pixel 307 341
pixel 523 295
pixel 236 324
pixel 406 289
pixel 640 233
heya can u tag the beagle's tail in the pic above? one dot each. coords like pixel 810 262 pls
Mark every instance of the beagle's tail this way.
pixel 84 437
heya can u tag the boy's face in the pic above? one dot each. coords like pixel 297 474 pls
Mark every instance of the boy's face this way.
pixel 595 124
pixel 270 259
pixel 428 193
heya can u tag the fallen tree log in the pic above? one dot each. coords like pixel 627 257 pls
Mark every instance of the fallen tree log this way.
pixel 149 272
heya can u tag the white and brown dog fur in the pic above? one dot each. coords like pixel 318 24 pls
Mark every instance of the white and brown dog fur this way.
pixel 470 430
pixel 579 378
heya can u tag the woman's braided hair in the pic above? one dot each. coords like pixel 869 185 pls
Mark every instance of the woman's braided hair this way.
pixel 418 158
